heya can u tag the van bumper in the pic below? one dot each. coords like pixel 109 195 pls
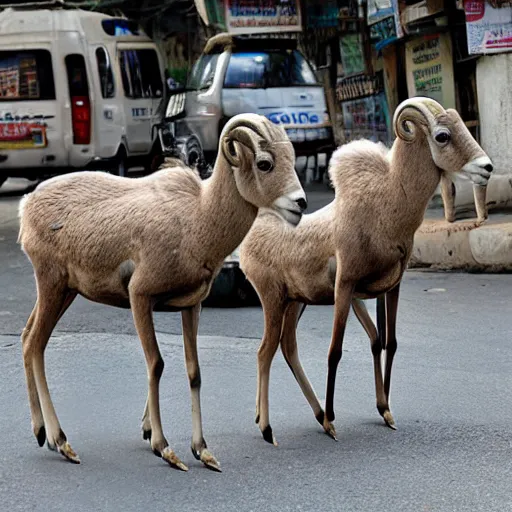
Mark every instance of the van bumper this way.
pixel 313 147
pixel 307 146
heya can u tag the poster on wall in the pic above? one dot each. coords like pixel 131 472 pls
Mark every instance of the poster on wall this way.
pixel 378 10
pixel 429 67
pixel 352 54
pixel 489 29
pixel 262 16
pixel 384 22
pixel 367 118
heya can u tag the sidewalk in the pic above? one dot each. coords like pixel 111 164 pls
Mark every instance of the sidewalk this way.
pixel 464 245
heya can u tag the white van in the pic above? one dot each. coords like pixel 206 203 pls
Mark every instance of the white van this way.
pixel 78 90
pixel 267 76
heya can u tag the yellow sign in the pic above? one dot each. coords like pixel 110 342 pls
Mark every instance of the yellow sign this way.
pixel 429 66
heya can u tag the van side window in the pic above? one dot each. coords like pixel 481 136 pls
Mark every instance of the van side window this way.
pixel 26 75
pixel 77 75
pixel 140 72
pixel 105 73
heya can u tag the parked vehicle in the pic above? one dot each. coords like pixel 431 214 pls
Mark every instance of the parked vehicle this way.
pixel 263 76
pixel 78 90
pixel 184 145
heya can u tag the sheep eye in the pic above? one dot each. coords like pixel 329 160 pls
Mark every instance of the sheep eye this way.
pixel 442 137
pixel 264 165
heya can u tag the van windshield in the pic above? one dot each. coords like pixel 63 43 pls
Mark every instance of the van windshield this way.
pixel 257 70
pixel 203 72
pixel 26 75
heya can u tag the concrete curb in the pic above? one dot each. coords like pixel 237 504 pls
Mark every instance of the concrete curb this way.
pixel 464 245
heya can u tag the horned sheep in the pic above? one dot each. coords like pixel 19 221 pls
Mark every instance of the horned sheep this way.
pixel 355 248
pixel 153 243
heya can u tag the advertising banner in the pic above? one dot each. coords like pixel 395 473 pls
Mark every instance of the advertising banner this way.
pixel 429 67
pixel 22 135
pixel 489 29
pixel 262 16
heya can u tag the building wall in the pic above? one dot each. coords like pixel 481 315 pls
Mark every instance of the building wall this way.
pixel 494 76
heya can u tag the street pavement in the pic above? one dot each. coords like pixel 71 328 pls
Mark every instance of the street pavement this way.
pixel 451 398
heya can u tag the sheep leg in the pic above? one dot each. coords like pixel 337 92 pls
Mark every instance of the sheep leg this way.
pixel 146 422
pixel 343 298
pixel 448 196
pixel 480 193
pixel 190 322
pixel 141 306
pixel 377 346
pixel 391 312
pixel 33 396
pixel 273 314
pixel 52 302
pixel 291 354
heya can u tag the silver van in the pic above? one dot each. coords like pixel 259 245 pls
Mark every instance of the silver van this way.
pixel 78 89
pixel 264 76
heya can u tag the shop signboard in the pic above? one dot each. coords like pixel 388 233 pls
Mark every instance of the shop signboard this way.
pixel 489 29
pixel 262 16
pixel 429 67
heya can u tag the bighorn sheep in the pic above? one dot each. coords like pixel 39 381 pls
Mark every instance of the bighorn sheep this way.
pixel 154 243
pixel 355 248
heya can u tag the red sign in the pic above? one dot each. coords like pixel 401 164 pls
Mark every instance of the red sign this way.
pixel 475 10
pixel 22 135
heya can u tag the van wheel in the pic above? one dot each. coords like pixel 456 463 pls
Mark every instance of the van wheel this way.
pixel 120 166
pixel 193 156
pixel 192 153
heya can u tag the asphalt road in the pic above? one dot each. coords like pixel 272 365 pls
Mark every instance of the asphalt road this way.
pixel 451 398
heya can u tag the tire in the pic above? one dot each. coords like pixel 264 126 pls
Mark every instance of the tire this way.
pixel 120 166
pixel 155 159
pixel 192 154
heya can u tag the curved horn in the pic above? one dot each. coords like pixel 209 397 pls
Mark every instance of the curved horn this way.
pixel 243 130
pixel 419 111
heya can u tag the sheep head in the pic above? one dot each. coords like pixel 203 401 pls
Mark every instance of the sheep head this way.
pixel 453 148
pixel 263 162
